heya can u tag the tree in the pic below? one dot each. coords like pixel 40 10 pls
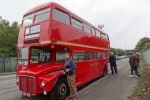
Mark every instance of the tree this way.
pixel 8 38
pixel 118 52
pixel 143 45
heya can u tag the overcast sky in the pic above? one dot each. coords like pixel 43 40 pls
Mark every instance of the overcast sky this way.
pixel 125 21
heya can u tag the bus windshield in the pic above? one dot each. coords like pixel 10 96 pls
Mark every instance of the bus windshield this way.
pixel 23 56
pixel 40 55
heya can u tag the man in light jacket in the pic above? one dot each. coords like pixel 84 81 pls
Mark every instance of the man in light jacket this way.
pixel 70 71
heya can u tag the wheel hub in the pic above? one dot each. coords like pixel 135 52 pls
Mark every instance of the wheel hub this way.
pixel 62 89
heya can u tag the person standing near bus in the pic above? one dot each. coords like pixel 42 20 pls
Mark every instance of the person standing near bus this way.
pixel 113 65
pixel 70 71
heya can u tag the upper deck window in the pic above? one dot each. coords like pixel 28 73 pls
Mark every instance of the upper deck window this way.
pixel 61 16
pixel 93 31
pixel 27 20
pixel 97 33
pixel 77 24
pixel 107 37
pixel 42 15
pixel 87 28
pixel 104 36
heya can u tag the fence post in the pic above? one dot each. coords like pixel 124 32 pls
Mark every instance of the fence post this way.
pixel 4 64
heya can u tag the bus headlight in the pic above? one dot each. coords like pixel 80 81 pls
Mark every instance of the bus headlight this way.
pixel 42 83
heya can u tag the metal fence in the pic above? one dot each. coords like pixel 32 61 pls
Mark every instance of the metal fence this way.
pixel 146 56
pixel 7 64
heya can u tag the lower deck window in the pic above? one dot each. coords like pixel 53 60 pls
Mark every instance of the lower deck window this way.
pixel 94 55
pixel 104 55
pixel 78 56
pixel 101 55
pixel 88 55
pixel 60 56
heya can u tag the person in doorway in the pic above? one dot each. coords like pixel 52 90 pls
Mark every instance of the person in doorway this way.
pixel 113 65
pixel 134 62
pixel 70 71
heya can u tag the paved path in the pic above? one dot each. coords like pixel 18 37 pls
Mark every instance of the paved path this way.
pixel 111 87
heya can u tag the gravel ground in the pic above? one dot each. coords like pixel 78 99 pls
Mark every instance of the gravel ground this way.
pixel 142 90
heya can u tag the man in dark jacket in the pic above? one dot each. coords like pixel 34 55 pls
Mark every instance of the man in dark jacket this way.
pixel 70 70
pixel 134 60
pixel 113 65
pixel 130 55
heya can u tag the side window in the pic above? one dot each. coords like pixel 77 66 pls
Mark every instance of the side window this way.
pixel 42 15
pixel 28 20
pixel 77 24
pixel 61 16
pixel 60 56
pixel 87 28
pixel 88 55
pixel 78 56
pixel 104 55
pixel 99 55
pixel 97 33
pixel 94 55
pixel 93 31
pixel 104 36
pixel 107 37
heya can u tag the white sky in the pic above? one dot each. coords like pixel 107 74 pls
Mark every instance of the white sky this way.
pixel 125 21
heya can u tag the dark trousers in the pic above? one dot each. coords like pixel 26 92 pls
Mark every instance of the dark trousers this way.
pixel 113 69
pixel 134 68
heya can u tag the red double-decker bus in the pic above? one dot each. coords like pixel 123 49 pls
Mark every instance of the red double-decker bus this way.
pixel 46 33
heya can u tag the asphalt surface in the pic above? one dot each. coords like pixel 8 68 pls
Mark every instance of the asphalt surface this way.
pixel 110 87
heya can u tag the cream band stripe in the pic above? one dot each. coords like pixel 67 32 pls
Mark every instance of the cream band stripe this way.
pixel 72 44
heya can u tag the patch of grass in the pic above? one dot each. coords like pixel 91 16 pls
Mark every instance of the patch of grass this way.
pixel 142 90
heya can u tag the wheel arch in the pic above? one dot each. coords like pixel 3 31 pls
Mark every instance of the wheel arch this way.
pixel 105 68
pixel 50 80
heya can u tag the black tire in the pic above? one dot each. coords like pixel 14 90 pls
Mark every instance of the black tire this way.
pixel 60 90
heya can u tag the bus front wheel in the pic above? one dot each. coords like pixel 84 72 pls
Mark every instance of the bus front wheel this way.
pixel 60 90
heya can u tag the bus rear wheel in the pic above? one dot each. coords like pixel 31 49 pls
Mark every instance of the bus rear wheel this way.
pixel 105 71
pixel 60 90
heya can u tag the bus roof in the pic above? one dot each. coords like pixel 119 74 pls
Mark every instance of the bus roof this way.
pixel 62 8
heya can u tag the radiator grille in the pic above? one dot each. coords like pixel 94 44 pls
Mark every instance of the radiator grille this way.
pixel 27 84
